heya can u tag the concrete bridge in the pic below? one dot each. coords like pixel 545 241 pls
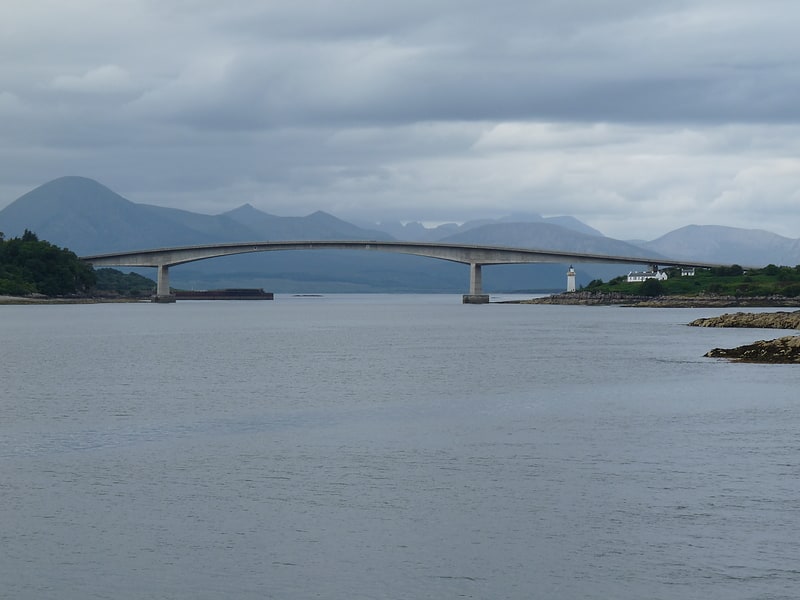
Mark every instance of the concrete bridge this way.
pixel 474 256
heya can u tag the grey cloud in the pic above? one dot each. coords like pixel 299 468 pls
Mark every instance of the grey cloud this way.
pixel 361 62
pixel 613 111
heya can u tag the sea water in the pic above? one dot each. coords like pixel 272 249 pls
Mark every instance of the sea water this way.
pixel 346 447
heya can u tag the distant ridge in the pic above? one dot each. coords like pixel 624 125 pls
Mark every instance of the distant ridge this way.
pixel 716 243
pixel 87 217
pixel 415 231
pixel 321 225
pixel 546 236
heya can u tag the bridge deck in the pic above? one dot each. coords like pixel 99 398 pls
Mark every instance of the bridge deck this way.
pixel 473 255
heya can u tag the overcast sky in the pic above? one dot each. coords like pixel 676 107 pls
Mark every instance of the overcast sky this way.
pixel 637 117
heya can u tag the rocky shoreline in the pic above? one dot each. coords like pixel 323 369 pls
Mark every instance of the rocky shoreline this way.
pixel 617 299
pixel 776 320
pixel 784 350
pixel 24 300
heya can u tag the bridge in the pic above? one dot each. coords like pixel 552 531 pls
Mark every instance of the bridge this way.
pixel 472 255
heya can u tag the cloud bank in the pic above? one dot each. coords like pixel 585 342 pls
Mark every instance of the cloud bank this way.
pixel 635 117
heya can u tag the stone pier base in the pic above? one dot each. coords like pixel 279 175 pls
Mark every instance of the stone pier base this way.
pixel 475 299
pixel 164 299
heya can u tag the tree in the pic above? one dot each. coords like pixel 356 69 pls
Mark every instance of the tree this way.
pixel 594 283
pixel 651 287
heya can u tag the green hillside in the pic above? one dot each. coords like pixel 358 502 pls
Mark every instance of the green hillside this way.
pixel 111 282
pixel 30 266
pixel 723 281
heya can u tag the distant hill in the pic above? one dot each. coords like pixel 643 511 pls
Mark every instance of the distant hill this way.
pixel 316 226
pixel 727 245
pixel 87 217
pixel 545 236
pixel 416 232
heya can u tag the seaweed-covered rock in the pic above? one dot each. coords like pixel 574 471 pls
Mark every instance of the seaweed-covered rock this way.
pixel 776 320
pixel 782 350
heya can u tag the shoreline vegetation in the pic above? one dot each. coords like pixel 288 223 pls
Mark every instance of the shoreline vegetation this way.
pixel 40 299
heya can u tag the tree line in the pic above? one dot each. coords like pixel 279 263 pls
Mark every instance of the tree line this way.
pixel 29 265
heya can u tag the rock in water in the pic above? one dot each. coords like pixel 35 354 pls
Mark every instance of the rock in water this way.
pixel 784 350
pixel 776 320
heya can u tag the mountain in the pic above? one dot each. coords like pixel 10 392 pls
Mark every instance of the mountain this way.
pixel 727 245
pixel 89 218
pixel 316 226
pixel 573 224
pixel 545 236
pixel 416 232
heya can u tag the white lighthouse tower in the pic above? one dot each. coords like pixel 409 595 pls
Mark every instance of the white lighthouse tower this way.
pixel 571 279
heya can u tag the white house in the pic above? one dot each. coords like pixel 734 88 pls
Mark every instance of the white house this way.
pixel 644 275
pixel 687 272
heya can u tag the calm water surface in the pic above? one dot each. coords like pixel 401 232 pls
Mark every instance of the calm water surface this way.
pixel 350 447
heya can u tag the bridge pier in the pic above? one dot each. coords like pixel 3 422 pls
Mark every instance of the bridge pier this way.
pixel 162 287
pixel 476 295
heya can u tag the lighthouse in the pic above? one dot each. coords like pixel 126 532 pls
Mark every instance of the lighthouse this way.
pixel 571 279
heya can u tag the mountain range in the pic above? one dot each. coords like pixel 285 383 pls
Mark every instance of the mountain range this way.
pixel 89 218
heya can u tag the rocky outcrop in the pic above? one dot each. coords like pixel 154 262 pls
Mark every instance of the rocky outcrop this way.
pixel 584 298
pixel 781 351
pixel 587 298
pixel 776 320
pixel 716 302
